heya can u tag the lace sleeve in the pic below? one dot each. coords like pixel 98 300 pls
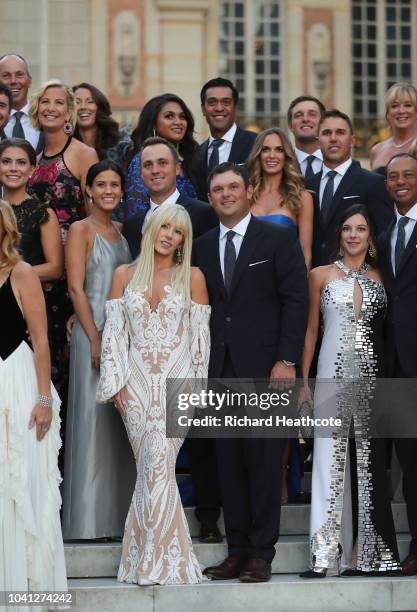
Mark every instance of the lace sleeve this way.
pixel 200 338
pixel 114 368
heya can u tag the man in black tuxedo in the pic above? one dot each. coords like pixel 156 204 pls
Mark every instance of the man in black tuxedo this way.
pixel 257 284
pixel 6 101
pixel 227 141
pixel 160 165
pixel 398 262
pixel 341 183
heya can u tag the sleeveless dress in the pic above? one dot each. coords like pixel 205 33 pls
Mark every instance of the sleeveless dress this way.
pixel 31 550
pixel 31 214
pixel 99 465
pixel 54 184
pixel 353 308
pixel 141 349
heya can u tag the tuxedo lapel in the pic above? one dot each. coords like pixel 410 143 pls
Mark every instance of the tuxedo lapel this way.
pixel 388 253
pixel 345 185
pixel 249 242
pixel 235 152
pixel 409 250
pixel 204 163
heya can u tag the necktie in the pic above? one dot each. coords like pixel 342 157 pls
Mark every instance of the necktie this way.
pixel 229 259
pixel 214 157
pixel 400 244
pixel 17 128
pixel 326 200
pixel 309 168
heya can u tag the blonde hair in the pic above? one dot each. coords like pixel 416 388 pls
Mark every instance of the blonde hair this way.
pixel 292 185
pixel 180 278
pixel 36 97
pixel 398 91
pixel 11 238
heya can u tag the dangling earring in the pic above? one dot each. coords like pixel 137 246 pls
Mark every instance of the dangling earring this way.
pixel 371 250
pixel 68 128
pixel 91 200
pixel 154 133
pixel 341 252
pixel 178 256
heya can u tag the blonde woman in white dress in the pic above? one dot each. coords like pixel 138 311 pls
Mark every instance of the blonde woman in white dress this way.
pixel 157 328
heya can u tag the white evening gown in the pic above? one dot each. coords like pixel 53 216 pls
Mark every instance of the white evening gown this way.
pixel 142 348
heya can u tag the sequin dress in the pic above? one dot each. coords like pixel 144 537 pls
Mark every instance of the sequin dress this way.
pixel 54 184
pixel 353 308
pixel 141 348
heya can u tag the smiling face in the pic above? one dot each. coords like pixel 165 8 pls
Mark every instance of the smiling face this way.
pixel 305 119
pixel 402 182
pixel 15 168
pixel 336 141
pixel 272 155
pixel 106 190
pixel 402 113
pixel 229 197
pixel 86 108
pixel 159 170
pixel 355 236
pixel 13 73
pixel 171 123
pixel 219 109
pixel 169 238
pixel 53 109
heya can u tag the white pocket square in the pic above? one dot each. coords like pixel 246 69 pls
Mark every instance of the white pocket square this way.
pixel 349 197
pixel 256 263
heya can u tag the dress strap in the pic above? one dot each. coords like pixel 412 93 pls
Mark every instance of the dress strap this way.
pixel 348 271
pixel 60 153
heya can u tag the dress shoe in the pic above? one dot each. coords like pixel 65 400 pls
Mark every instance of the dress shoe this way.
pixel 317 573
pixel 209 533
pixel 230 568
pixel 409 565
pixel 255 570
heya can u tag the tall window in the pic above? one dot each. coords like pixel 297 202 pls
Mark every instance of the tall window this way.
pixel 384 51
pixel 251 55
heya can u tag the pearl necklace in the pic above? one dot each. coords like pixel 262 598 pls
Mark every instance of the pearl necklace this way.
pixel 398 146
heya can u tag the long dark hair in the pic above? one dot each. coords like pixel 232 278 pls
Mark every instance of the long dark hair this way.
pixel 358 209
pixel 102 166
pixel 147 124
pixel 107 133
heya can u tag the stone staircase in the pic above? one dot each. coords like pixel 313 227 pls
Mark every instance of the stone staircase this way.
pixel 92 569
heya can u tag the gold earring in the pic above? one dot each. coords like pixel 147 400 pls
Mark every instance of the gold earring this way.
pixel 178 256
pixel 371 250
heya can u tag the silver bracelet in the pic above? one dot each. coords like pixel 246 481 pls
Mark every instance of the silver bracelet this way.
pixel 44 400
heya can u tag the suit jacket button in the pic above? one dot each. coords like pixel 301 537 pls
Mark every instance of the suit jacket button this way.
pixel 228 319
pixel 323 245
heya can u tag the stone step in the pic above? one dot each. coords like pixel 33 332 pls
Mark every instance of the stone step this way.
pixel 102 560
pixel 295 519
pixel 281 594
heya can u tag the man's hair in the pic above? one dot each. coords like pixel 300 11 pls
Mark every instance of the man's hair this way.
pixel 6 92
pixel 300 99
pixel 219 82
pixel 238 169
pixel 399 156
pixel 21 58
pixel 337 114
pixel 157 140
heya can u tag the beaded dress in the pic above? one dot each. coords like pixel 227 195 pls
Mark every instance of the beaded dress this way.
pixel 353 308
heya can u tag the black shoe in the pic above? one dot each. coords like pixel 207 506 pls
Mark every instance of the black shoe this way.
pixel 351 573
pixel 210 534
pixel 313 574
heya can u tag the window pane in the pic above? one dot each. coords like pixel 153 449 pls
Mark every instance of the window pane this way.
pixel 371 13
pixel 259 66
pixel 406 32
pixel 372 107
pixel 357 68
pixel 390 14
pixel 260 86
pixel 357 87
pixel 274 86
pixel 371 50
pixel 275 105
pixel 260 104
pixel 358 107
pixel 406 71
pixel 405 14
pixel 371 32
pixel 372 69
pixel 239 9
pixel 405 51
pixel 239 28
pixel 391 51
pixel 356 31
pixel 391 32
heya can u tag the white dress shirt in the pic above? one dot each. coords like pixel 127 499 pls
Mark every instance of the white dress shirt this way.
pixel 341 171
pixel 225 147
pixel 172 199
pixel 240 230
pixel 31 134
pixel 302 160
pixel 408 230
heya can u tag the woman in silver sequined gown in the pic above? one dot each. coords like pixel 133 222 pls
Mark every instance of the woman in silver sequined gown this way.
pixel 350 526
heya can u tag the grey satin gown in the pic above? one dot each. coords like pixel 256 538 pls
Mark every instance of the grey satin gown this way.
pixel 99 469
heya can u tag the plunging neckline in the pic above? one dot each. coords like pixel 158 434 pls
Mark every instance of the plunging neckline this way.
pixel 167 289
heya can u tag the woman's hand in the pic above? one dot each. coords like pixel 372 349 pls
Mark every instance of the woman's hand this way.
pixel 95 348
pixel 120 401
pixel 304 395
pixel 41 416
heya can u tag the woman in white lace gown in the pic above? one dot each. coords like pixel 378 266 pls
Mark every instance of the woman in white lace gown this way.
pixel 157 328
pixel 31 547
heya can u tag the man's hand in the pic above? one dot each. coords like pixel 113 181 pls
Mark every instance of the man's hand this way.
pixel 282 376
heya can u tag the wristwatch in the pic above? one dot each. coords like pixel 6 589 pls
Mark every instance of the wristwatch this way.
pixel 288 363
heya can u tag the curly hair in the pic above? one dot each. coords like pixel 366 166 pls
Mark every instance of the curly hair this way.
pixel 11 238
pixel 36 97
pixel 292 184
pixel 147 124
pixel 107 133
